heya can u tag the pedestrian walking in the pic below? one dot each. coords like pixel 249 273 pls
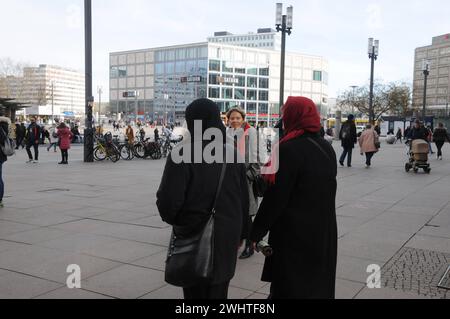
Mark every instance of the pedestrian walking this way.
pixel 54 139
pixel 65 137
pixel 398 136
pixel 20 135
pixel 440 136
pixel 369 144
pixel 299 209
pixel 245 139
pixel 5 123
pixel 156 132
pixel 33 135
pixel 186 196
pixel 349 138
pixel 430 138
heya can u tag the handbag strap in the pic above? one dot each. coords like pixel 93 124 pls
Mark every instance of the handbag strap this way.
pixel 319 147
pixel 219 188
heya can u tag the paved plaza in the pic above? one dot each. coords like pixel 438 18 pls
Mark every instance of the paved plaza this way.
pixel 103 217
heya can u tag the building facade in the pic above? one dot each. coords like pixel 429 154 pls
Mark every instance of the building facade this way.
pixel 40 86
pixel 267 39
pixel 438 87
pixel 158 84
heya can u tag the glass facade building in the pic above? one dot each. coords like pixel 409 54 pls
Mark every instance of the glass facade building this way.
pixel 164 81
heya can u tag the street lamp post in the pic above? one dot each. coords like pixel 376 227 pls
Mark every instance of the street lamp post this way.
pixel 100 92
pixel 354 87
pixel 53 102
pixel 374 47
pixel 284 25
pixel 88 132
pixel 426 73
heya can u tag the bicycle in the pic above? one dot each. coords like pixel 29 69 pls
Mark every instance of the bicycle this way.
pixel 106 149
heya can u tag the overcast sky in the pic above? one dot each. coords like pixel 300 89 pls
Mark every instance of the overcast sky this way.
pixel 52 32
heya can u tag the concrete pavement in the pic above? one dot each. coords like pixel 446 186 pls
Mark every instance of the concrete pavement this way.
pixel 103 217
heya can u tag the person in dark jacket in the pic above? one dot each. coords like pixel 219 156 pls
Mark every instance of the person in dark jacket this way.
pixel 299 210
pixel 4 126
pixel 20 135
pixel 440 136
pixel 33 138
pixel 188 190
pixel 399 136
pixel 419 132
pixel 349 138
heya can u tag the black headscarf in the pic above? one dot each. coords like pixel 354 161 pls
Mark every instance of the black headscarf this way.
pixel 206 111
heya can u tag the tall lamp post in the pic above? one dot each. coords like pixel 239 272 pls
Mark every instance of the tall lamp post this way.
pixel 374 48
pixel 284 25
pixel 426 73
pixel 354 87
pixel 100 92
pixel 88 131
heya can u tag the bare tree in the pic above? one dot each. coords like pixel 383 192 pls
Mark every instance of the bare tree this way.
pixel 12 84
pixel 387 99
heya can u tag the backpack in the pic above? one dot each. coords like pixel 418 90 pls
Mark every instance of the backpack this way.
pixel 9 147
pixel 346 132
pixel 55 134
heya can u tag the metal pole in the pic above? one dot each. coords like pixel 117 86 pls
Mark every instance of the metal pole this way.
pixel 100 91
pixel 424 111
pixel 372 71
pixel 53 103
pixel 283 61
pixel 88 132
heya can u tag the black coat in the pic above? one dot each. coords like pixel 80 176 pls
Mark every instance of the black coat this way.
pixel 33 134
pixel 440 135
pixel 350 141
pixel 5 126
pixel 420 133
pixel 300 213
pixel 186 196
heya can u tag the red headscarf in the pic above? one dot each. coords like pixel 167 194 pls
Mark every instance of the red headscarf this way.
pixel 299 116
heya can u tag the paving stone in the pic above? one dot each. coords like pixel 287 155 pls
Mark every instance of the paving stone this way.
pixel 19 286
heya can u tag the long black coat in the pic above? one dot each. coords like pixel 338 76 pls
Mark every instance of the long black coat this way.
pixel 186 196
pixel 300 213
pixel 350 141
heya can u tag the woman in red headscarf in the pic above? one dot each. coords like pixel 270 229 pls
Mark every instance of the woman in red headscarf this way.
pixel 299 209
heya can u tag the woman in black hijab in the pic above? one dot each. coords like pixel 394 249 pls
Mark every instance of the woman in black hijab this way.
pixel 187 193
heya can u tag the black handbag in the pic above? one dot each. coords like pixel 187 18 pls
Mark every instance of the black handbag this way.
pixel 190 259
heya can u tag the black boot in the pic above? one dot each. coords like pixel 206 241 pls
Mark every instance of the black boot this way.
pixel 248 252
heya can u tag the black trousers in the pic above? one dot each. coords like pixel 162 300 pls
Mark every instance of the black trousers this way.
pixel 439 146
pixel 369 158
pixel 214 292
pixel 36 151
pixel 65 156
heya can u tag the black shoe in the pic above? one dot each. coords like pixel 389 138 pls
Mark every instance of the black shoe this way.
pixel 342 164
pixel 349 165
pixel 61 163
pixel 247 253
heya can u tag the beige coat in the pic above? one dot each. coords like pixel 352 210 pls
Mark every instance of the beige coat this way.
pixel 367 141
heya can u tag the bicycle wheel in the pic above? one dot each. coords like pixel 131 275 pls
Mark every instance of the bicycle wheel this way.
pixel 139 150
pixel 114 154
pixel 100 153
pixel 125 152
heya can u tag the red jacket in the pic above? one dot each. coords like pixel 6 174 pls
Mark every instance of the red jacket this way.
pixel 65 137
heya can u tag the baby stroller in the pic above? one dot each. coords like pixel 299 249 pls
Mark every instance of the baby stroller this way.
pixel 418 156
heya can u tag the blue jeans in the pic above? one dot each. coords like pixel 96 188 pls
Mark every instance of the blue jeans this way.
pixel 2 185
pixel 347 153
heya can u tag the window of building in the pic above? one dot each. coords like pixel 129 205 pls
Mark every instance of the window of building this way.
pixel 114 72
pixel 264 72
pixel 263 108
pixel 251 108
pixel 226 67
pixel 122 71
pixel 214 93
pixel 181 54
pixel 240 70
pixel 317 76
pixel 240 81
pixel 239 94
pixel 180 67
pixel 214 65
pixel 264 95
pixel 252 71
pixel 227 93
pixel 252 95
pixel 252 82
pixel 159 68
pixel 213 79
pixel 170 68
pixel 263 83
